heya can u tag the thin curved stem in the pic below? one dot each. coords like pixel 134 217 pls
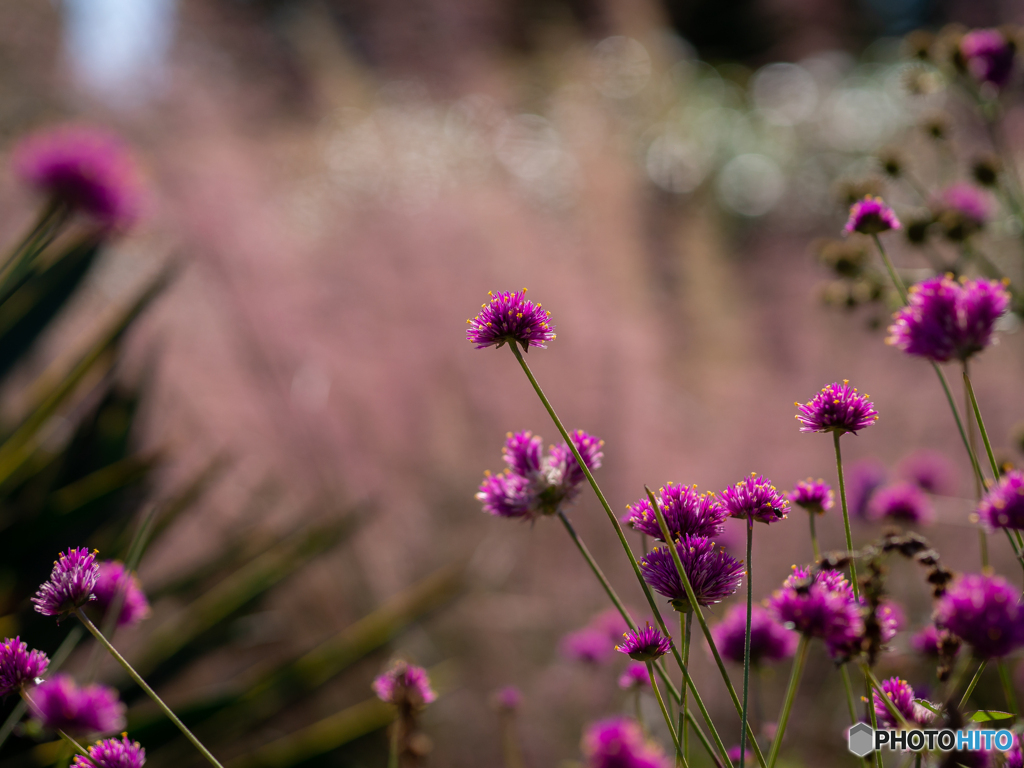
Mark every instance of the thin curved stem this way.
pixel 746 642
pixel 850 704
pixel 74 744
pixel 393 748
pixel 666 715
pixel 814 537
pixel 794 682
pixel 896 280
pixel 870 706
pixel 687 627
pixel 846 514
pixel 971 686
pixel 1004 678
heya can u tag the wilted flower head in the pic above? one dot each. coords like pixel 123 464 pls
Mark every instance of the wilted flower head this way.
pixel 871 216
pixel 837 408
pixel 820 605
pixel 71 583
pixel 634 677
pixel 19 665
pixel 902 695
pixel 1003 505
pixel 985 612
pixel 85 169
pixel 619 742
pixel 510 317
pixel 534 484
pixel 589 645
pixel 901 501
pixel 946 319
pixel 404 685
pixel 713 574
pixel 755 498
pixel 988 56
pixel 115 582
pixel 962 209
pixel 815 496
pixel 113 753
pixel 686 513
pixel 646 644
pixel 931 471
pixel 61 705
pixel 863 478
pixel 508 699
pixel 769 640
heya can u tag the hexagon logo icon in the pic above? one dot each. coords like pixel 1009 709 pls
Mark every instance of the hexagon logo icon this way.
pixel 861 740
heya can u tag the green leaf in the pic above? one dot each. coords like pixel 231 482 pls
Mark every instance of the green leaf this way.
pixel 927 705
pixel 987 715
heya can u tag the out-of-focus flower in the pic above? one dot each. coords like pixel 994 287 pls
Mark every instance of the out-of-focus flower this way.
pixel 61 705
pixel 646 644
pixel 769 640
pixel 871 216
pixel 85 169
pixel 508 699
pixel 510 317
pixel 588 645
pixel 713 574
pixel 113 753
pixel 619 742
pixel 837 408
pixel 946 319
pixel 404 685
pixel 1015 755
pixel 71 583
pixel 610 622
pixel 930 471
pixel 815 496
pixel 534 484
pixel 755 498
pixel 901 501
pixel 635 677
pixel 863 478
pixel 113 581
pixel 985 612
pixel 686 512
pixel 19 665
pixel 962 209
pixel 820 606
pixel 988 56
pixel 985 169
pixel 902 695
pixel 929 641
pixel 1003 506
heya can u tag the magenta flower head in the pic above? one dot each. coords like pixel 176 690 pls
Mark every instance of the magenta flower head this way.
pixel 115 582
pixel 755 498
pixel 902 502
pixel 988 56
pixel 985 612
pixel 619 742
pixel 769 640
pixel 404 685
pixel 634 677
pixel 929 642
pixel 19 665
pixel 863 478
pixel 1015 755
pixel 647 644
pixel 610 622
pixel 61 705
pixel 815 496
pixel 837 408
pixel 88 170
pixel 962 209
pixel 686 512
pixel 871 216
pixel 820 605
pixel 902 695
pixel 713 574
pixel 510 317
pixel 508 699
pixel 589 645
pixel 930 471
pixel 71 583
pixel 1003 505
pixel 113 753
pixel 946 320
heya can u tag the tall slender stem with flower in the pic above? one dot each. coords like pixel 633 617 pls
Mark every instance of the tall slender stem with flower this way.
pixel 746 639
pixel 787 704
pixel 846 513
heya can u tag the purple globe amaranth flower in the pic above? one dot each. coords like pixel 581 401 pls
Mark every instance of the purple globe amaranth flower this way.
pixel 686 512
pixel 635 677
pixel 946 320
pixel 404 685
pixel 713 574
pixel 985 612
pixel 619 742
pixel 902 695
pixel 903 502
pixel 926 641
pixel 815 496
pixel 510 317
pixel 837 408
pixel 588 645
pixel 113 753
pixel 820 606
pixel 61 705
pixel 534 484
pixel 930 471
pixel 508 699
pixel 19 665
pixel 871 216
pixel 846 644
pixel 1015 755
pixel 988 56
pixel 769 640
pixel 85 169
pixel 863 478
pixel 1003 505
pixel 647 644
pixel 610 623
pixel 962 209
pixel 114 582
pixel 71 583
pixel 755 498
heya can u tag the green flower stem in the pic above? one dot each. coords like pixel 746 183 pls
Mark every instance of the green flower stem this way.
pixel 145 687
pixel 971 686
pixel 870 706
pixel 846 514
pixel 794 682
pixel 692 598
pixel 700 735
pixel 664 713
pixel 640 714
pixel 850 702
pixel 393 748
pixel 685 630
pixel 814 538
pixel 872 682
pixel 896 280
pixel 74 744
pixel 1004 678
pixel 744 718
